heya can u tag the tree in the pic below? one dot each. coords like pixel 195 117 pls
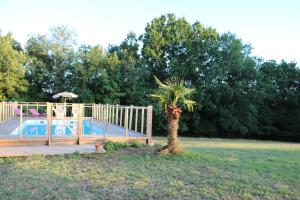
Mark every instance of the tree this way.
pixel 174 47
pixel 132 71
pixel 52 59
pixel 171 94
pixel 279 110
pixel 236 87
pixel 95 76
pixel 12 81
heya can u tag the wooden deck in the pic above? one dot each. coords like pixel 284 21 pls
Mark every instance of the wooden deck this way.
pixel 113 132
pixel 118 122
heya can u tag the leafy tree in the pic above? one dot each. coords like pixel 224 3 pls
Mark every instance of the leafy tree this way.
pixel 132 71
pixel 95 78
pixel 170 95
pixel 237 87
pixel 12 61
pixel 173 47
pixel 279 115
pixel 163 44
pixel 52 58
pixel 38 69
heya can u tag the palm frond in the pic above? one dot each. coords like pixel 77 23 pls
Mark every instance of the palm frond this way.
pixel 189 104
pixel 161 84
pixel 173 92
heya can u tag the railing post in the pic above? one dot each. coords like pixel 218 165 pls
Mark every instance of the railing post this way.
pixel 4 111
pixel 49 122
pixel 102 112
pixel 126 122
pixel 130 117
pixel 15 106
pixel 106 111
pixel 5 106
pixel 80 121
pixel 109 114
pixel 136 119
pixel 21 119
pixel 1 112
pixel 7 111
pixel 142 121
pixel 100 108
pixel 121 116
pixel 65 110
pixel 97 111
pixel 117 115
pixel 4 117
pixel 149 125
pixel 93 110
pixel 12 109
pixel 113 115
pixel 106 118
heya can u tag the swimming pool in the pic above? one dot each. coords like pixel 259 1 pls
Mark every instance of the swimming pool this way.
pixel 59 128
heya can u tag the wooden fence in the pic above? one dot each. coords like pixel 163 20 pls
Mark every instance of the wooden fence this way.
pixel 134 118
pixel 130 118
pixel 7 110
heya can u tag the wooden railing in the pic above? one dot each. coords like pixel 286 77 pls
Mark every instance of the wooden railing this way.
pixel 130 118
pixel 7 110
pixel 134 118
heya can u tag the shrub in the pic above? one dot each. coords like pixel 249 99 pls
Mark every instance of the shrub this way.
pixel 138 144
pixel 110 146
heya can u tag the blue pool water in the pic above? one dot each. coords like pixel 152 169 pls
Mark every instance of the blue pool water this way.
pixel 59 128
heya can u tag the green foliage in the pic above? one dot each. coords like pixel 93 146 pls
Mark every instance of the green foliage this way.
pixel 279 102
pixel 55 66
pixel 51 68
pixel 173 92
pixel 110 146
pixel 137 144
pixel 132 72
pixel 12 60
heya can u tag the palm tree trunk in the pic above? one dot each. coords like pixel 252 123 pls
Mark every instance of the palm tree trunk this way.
pixel 173 116
pixel 173 125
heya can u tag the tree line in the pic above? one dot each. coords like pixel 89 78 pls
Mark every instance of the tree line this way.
pixel 237 94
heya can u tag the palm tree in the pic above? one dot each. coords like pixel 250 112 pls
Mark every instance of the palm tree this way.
pixel 171 94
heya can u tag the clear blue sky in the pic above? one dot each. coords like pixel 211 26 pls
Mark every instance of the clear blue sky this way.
pixel 271 26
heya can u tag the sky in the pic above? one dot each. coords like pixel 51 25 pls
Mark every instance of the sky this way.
pixel 272 27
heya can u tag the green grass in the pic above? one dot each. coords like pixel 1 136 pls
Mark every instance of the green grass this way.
pixel 209 169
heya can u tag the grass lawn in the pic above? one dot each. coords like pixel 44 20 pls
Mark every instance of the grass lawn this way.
pixel 209 169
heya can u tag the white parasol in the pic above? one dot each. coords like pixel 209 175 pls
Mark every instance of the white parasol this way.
pixel 65 95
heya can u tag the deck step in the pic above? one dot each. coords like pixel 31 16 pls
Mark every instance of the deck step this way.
pixel 23 142
pixel 44 141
